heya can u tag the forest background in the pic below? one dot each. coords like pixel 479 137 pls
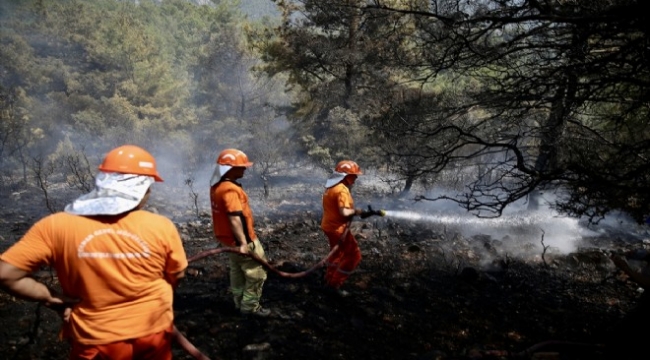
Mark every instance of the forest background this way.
pixel 483 103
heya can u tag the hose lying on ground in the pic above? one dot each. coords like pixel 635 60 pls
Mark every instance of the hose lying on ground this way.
pixel 265 263
pixel 186 344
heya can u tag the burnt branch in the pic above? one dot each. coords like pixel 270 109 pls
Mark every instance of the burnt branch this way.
pixel 562 93
pixel 544 248
pixel 194 195
pixel 81 176
pixel 44 170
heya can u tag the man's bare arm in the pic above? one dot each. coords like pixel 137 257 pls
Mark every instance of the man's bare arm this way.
pixel 349 211
pixel 18 283
pixel 237 229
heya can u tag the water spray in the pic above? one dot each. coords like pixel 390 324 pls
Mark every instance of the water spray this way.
pixel 523 219
pixel 562 231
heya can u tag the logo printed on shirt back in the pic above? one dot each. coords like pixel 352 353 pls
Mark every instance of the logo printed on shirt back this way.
pixel 81 253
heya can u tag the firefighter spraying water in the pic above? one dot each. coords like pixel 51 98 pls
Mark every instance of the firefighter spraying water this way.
pixel 363 215
pixel 561 232
pixel 338 213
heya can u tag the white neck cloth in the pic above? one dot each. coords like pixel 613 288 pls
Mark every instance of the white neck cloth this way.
pixel 334 178
pixel 219 172
pixel 114 193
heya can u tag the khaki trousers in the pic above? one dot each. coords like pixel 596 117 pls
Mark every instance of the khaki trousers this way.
pixel 247 277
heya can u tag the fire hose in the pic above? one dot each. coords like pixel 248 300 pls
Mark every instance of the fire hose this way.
pixel 186 344
pixel 190 348
pixel 364 214
pixel 265 263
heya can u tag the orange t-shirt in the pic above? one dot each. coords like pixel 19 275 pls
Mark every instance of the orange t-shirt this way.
pixel 115 265
pixel 227 198
pixel 338 196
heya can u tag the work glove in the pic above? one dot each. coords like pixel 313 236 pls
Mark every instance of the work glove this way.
pixel 370 212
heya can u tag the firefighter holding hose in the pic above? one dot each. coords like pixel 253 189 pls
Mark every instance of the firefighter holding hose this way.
pixel 232 221
pixel 338 212
pixel 117 265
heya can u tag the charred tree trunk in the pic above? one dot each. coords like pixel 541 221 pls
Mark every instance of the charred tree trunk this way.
pixel 408 185
pixel 547 158
pixel 265 184
pixel 562 105
pixel 350 68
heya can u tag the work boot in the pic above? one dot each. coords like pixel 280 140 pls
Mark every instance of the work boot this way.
pixel 260 312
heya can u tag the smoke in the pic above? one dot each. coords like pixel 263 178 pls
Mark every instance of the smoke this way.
pixel 556 231
pixel 187 163
pixel 517 224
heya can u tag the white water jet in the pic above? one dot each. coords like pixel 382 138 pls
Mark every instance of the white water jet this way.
pixel 559 232
pixel 504 221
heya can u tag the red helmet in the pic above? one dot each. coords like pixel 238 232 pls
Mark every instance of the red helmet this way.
pixel 130 159
pixel 234 158
pixel 348 167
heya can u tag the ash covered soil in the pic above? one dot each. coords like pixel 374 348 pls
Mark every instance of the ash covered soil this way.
pixel 422 291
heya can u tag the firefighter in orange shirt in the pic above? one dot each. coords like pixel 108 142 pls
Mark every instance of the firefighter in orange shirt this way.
pixel 338 210
pixel 232 221
pixel 116 263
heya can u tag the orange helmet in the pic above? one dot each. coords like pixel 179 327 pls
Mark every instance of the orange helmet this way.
pixel 233 158
pixel 348 167
pixel 130 159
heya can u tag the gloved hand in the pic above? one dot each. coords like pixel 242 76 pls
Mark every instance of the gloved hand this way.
pixel 370 212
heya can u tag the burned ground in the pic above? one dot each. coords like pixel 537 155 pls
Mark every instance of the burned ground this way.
pixel 420 292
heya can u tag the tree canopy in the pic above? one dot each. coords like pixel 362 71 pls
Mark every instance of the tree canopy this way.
pixel 102 73
pixel 544 100
pixel 530 96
